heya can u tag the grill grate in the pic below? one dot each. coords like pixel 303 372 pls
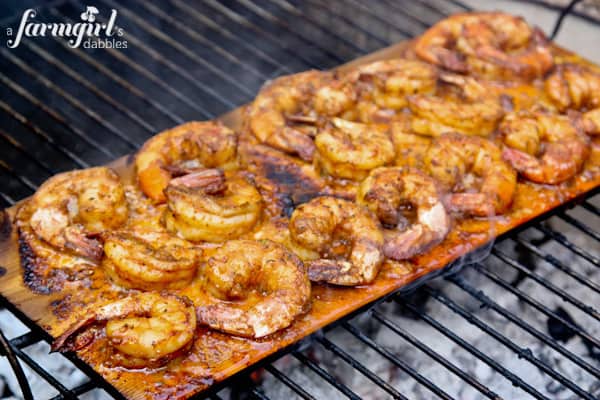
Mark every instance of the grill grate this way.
pixel 66 108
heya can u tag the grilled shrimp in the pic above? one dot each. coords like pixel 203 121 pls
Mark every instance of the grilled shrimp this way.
pixel 472 169
pixel 145 329
pixel 262 287
pixel 474 112
pixel 286 113
pixel 391 192
pixel 591 122
pixel 73 208
pixel 573 86
pixel 384 85
pixel 487 44
pixel 212 206
pixel 350 149
pixel 181 150
pixel 149 260
pixel 346 235
pixel 544 148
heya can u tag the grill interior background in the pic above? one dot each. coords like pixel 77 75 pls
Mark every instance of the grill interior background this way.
pixel 63 108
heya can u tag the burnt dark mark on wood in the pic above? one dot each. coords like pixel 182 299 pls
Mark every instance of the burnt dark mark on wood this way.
pixel 5 225
pixel 32 268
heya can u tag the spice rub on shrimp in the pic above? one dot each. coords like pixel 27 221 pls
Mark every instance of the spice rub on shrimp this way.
pixel 471 168
pixel 261 286
pixel 487 44
pixel 470 111
pixel 287 112
pixel 544 148
pixel 181 150
pixel 346 235
pixel 382 86
pixel 212 206
pixel 73 208
pixel 393 193
pixel 144 329
pixel 148 260
pixel 350 149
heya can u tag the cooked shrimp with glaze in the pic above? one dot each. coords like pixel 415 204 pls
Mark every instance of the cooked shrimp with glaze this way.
pixel 471 168
pixel 391 194
pixel 487 44
pixel 260 286
pixel 544 148
pixel 73 208
pixel 212 206
pixel 382 86
pixel 149 260
pixel 145 329
pixel 350 149
pixel 473 110
pixel 347 237
pixel 287 112
pixel 181 150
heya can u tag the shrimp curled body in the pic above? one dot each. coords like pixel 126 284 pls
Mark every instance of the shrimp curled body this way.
pixel 212 206
pixel 181 150
pixel 487 44
pixel 387 191
pixel 72 208
pixel 346 235
pixel 472 169
pixel 146 329
pixel 149 260
pixel 544 148
pixel 261 286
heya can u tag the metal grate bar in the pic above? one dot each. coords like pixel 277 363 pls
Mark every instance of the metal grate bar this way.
pixel 39 132
pixel 382 19
pixel 397 361
pixel 179 47
pixel 241 21
pixel 72 100
pixel 313 22
pixel 534 303
pixel 579 277
pixel 147 74
pixel 258 394
pixel 334 13
pixel 514 379
pixel 180 71
pixel 7 199
pixel 434 355
pixel 91 87
pixel 329 345
pixel 547 284
pixel 412 15
pixel 289 383
pixel 123 83
pixel 37 368
pixel 579 225
pixel 269 17
pixel 191 33
pixel 222 30
pixel 325 375
pixel 7 351
pixel 56 116
pixel 562 239
pixel 78 390
pixel 488 302
pixel 521 352
pixel 17 145
pixel 591 208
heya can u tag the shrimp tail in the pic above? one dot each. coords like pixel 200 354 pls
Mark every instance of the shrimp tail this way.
pixel 212 181
pixel 67 340
pixel 224 318
pixel 407 244
pixel 289 138
pixel 477 204
pixel 82 244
